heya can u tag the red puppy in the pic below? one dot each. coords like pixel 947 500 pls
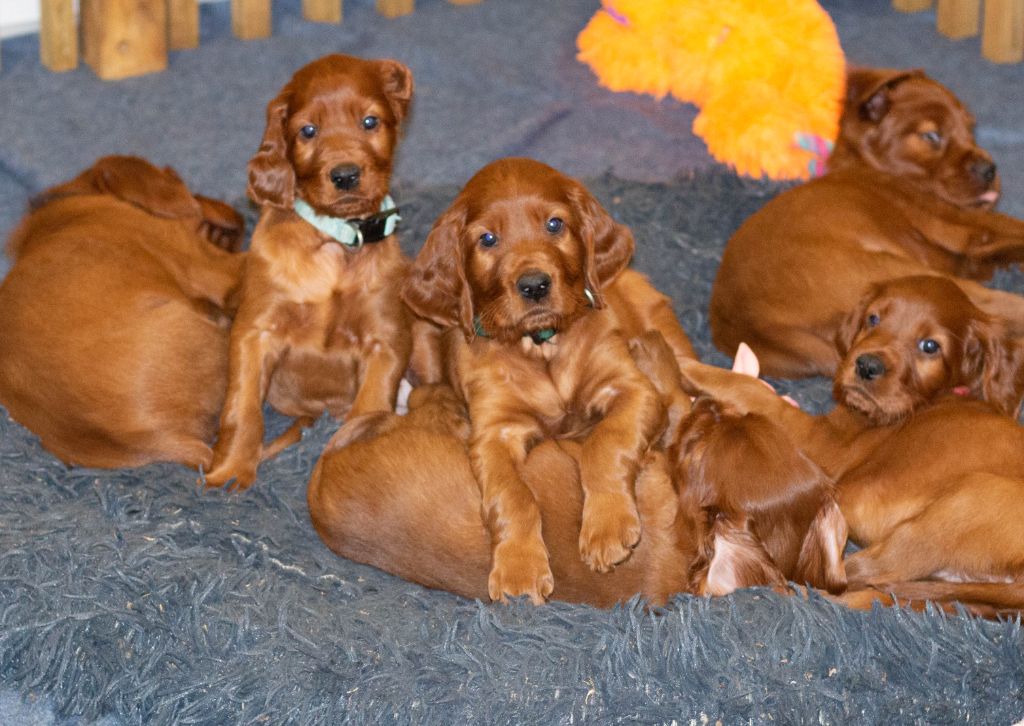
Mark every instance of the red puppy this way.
pixel 320 324
pixel 908 192
pixel 113 332
pixel 528 274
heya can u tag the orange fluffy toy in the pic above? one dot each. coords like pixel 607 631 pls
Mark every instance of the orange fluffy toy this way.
pixel 768 77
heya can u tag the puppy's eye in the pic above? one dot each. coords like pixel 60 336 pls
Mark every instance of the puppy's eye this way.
pixel 932 137
pixel 929 346
pixel 370 123
pixel 555 225
pixel 308 131
pixel 873 320
pixel 488 239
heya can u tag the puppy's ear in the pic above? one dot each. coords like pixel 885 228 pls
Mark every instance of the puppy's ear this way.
pixel 436 287
pixel 398 84
pixel 271 177
pixel 730 557
pixel 850 325
pixel 867 91
pixel 993 365
pixel 608 245
pixel 161 192
pixel 820 563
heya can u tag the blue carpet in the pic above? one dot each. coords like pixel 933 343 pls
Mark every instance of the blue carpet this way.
pixel 131 597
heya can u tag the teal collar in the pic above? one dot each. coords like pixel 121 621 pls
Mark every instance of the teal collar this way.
pixel 353 233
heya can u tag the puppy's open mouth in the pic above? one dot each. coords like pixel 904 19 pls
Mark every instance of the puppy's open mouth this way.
pixel 861 400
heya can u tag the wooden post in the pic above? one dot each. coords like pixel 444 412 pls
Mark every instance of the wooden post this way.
pixel 395 8
pixel 322 11
pixel 183 24
pixel 122 38
pixel 58 35
pixel 250 19
pixel 957 18
pixel 911 6
pixel 1002 40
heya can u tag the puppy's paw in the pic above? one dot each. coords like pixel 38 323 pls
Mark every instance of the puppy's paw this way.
pixel 520 568
pixel 237 477
pixel 610 530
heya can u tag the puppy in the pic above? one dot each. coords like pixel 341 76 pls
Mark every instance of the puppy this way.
pixel 113 330
pixel 908 192
pixel 320 325
pixel 527 273
pixel 930 478
pixel 376 493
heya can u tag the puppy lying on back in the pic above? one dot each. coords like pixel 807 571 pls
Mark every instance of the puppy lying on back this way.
pixel 908 192
pixel 527 273
pixel 320 325
pixel 114 315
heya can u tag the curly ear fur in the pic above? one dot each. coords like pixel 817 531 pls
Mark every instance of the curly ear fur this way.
pixel 867 91
pixel 398 85
pixel 852 322
pixel 161 192
pixel 608 245
pixel 436 287
pixel 992 365
pixel 271 177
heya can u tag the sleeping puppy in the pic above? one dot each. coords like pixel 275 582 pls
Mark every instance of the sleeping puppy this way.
pixel 908 192
pixel 527 274
pixel 114 324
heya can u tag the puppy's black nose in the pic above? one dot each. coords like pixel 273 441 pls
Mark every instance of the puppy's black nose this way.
pixel 869 367
pixel 345 176
pixel 534 285
pixel 984 170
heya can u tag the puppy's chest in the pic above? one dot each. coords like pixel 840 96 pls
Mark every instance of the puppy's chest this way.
pixel 547 386
pixel 346 320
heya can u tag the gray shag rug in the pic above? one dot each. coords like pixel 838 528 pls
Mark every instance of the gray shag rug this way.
pixel 133 596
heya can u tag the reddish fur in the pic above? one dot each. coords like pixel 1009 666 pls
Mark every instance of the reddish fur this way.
pixel 399 493
pixel 319 327
pixel 931 483
pixel 891 205
pixel 113 337
pixel 582 384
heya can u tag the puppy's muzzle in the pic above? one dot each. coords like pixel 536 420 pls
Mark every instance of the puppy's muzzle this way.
pixel 534 286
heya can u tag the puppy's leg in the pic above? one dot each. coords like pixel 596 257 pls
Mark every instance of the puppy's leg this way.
pixel 969 532
pixel 253 355
pixel 520 559
pixel 380 373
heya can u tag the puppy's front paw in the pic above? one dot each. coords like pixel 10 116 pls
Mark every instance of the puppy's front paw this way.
pixel 610 530
pixel 520 568
pixel 238 477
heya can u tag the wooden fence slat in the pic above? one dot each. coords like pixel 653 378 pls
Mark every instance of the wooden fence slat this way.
pixel 183 24
pixel 322 11
pixel 1002 40
pixel 395 8
pixel 911 6
pixel 250 19
pixel 58 35
pixel 122 38
pixel 957 18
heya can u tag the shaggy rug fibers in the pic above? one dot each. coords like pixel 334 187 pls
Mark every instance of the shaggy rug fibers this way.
pixel 137 597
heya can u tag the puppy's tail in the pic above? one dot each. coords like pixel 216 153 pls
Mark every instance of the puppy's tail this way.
pixel 989 600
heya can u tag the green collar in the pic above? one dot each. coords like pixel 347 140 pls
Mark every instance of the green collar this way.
pixel 353 233
pixel 537 336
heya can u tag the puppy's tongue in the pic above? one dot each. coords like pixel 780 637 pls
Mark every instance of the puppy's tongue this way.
pixel 990 197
